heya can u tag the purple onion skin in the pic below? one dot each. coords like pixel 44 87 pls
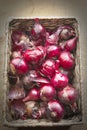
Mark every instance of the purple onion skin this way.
pixel 20 41
pixel 59 80
pixel 47 92
pixel 18 109
pixel 48 68
pixel 69 96
pixel 18 66
pixel 71 44
pixel 53 51
pixel 16 93
pixel 41 81
pixel 30 105
pixel 33 95
pixel 28 79
pixel 51 39
pixel 35 55
pixel 38 31
pixel 67 60
pixel 55 110
pixel 65 32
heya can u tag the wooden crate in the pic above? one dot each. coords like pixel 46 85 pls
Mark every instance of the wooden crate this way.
pixel 52 23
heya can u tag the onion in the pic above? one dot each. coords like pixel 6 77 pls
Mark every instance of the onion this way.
pixel 16 93
pixel 51 39
pixel 68 73
pixel 18 109
pixel 47 92
pixel 36 113
pixel 69 96
pixel 32 109
pixel 71 44
pixel 30 105
pixel 42 109
pixel 33 94
pixel 52 51
pixel 55 110
pixel 28 79
pixel 27 82
pixel 66 60
pixel 34 55
pixel 65 32
pixel 33 74
pixel 38 30
pixel 16 54
pixel 48 68
pixel 20 40
pixel 18 66
pixel 16 36
pixel 62 45
pixel 59 80
pixel 57 62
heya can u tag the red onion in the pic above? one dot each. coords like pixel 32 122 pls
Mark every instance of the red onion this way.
pixel 33 74
pixel 16 54
pixel 47 92
pixel 18 109
pixel 64 71
pixel 69 96
pixel 62 45
pixel 48 68
pixel 19 66
pixel 33 110
pixel 34 55
pixel 57 62
pixel 16 36
pixel 27 82
pixel 38 30
pixel 42 109
pixel 59 80
pixel 51 39
pixel 71 44
pixel 32 78
pixel 55 110
pixel 16 93
pixel 20 40
pixel 68 73
pixel 33 94
pixel 66 60
pixel 30 105
pixel 36 113
pixel 29 78
pixel 65 32
pixel 52 51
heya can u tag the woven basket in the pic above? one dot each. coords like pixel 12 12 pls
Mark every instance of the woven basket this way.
pixel 49 23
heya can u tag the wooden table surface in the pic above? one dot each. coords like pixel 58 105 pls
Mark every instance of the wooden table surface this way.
pixel 46 8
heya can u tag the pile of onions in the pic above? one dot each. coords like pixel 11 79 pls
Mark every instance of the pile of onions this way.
pixel 40 73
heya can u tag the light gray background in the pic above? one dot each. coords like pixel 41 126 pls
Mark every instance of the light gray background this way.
pixel 45 8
